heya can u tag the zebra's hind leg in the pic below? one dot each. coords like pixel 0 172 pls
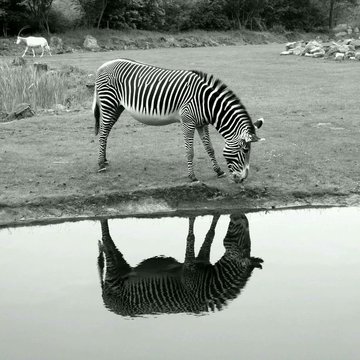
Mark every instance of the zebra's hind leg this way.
pixel 107 121
pixel 188 131
pixel 205 138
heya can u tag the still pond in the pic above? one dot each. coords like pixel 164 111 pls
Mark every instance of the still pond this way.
pixel 262 285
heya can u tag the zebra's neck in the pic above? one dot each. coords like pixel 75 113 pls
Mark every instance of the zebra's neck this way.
pixel 224 109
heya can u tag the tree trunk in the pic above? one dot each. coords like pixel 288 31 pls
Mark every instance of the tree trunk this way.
pixel 104 4
pixel 331 13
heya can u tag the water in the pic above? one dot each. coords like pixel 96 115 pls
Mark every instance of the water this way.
pixel 303 304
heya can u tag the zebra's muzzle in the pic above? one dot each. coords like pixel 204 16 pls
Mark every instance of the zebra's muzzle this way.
pixel 240 176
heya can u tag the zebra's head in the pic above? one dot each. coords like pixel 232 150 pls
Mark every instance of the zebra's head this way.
pixel 237 242
pixel 237 154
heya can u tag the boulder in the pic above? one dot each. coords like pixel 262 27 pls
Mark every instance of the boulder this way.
pixel 319 54
pixel 341 34
pixel 20 111
pixel 90 43
pixel 339 56
pixel 290 45
pixel 355 43
pixel 298 50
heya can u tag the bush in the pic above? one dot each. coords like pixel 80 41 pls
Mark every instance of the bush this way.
pixel 42 90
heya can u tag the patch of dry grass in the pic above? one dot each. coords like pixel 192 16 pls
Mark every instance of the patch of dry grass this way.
pixel 40 89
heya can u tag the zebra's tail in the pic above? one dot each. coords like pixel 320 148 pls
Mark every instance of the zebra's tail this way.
pixel 96 111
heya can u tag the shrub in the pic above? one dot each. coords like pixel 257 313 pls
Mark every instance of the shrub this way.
pixel 42 90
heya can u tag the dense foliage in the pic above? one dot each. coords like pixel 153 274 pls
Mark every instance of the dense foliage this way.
pixel 176 15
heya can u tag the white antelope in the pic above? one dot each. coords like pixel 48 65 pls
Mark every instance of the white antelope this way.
pixel 33 42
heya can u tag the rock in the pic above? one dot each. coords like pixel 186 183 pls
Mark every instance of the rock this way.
pixel 311 45
pixel 357 55
pixel 315 49
pixel 355 43
pixel 90 43
pixel 339 56
pixel 320 53
pixel 343 48
pixel 349 54
pixel 21 111
pixel 290 45
pixel 298 50
pixel 341 34
pixel 288 52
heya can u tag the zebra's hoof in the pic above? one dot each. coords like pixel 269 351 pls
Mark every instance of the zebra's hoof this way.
pixel 221 174
pixel 102 169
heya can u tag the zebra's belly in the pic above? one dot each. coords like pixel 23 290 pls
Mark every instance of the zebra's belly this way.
pixel 156 120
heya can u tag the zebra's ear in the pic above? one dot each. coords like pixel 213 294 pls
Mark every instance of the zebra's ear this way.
pixel 258 123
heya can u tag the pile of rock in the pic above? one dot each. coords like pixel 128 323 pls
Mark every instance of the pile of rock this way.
pixel 338 50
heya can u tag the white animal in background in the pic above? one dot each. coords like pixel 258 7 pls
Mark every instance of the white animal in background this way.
pixel 33 42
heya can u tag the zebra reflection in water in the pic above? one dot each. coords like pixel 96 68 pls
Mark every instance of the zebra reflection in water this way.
pixel 163 285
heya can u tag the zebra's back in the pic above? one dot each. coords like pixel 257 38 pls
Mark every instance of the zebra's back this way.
pixel 151 94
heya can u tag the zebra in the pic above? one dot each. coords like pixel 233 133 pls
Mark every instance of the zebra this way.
pixel 159 96
pixel 161 285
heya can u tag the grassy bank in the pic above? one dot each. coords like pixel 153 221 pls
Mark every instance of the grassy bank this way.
pixel 311 152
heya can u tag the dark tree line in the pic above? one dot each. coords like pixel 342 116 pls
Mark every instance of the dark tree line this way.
pixel 175 15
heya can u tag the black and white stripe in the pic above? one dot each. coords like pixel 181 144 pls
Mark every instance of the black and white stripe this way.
pixel 163 285
pixel 158 96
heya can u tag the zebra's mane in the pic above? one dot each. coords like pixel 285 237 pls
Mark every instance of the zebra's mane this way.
pixel 218 84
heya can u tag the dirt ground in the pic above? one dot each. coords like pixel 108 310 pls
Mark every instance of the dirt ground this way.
pixel 310 156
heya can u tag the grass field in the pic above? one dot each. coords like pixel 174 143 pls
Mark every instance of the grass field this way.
pixel 312 147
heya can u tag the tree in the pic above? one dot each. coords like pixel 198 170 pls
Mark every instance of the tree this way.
pixel 11 16
pixel 245 13
pixel 94 11
pixel 39 9
pixel 338 6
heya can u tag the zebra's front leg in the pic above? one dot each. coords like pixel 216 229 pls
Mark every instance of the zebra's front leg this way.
pixel 205 138
pixel 190 242
pixel 102 161
pixel 188 131
pixel 204 252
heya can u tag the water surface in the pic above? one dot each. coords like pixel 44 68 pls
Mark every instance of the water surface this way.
pixel 303 304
